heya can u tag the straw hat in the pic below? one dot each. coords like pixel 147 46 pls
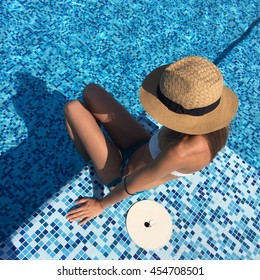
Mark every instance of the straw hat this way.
pixel 189 96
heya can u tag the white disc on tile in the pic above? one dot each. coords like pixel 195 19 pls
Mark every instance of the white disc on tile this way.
pixel 149 225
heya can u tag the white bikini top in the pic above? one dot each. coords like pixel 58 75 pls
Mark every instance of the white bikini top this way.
pixel 155 151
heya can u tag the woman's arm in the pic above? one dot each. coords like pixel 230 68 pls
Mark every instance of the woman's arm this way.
pixel 170 159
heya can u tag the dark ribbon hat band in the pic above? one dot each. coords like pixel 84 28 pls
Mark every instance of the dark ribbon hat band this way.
pixel 177 108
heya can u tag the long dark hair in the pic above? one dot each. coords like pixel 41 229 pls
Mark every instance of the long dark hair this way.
pixel 216 139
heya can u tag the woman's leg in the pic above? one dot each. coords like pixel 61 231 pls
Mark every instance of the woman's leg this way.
pixel 90 140
pixel 121 126
pixel 78 145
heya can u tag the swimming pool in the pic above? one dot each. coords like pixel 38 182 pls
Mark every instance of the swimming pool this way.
pixel 49 51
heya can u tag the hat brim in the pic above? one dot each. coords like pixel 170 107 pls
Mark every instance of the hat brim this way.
pixel 194 125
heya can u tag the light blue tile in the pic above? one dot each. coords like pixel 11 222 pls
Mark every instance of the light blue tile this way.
pixel 70 44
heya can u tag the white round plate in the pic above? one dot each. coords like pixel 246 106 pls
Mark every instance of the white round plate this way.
pixel 149 225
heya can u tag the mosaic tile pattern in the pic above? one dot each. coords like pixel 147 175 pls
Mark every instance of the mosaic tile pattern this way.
pixel 215 214
pixel 49 50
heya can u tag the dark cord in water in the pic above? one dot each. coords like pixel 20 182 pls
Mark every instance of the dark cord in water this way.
pixel 236 42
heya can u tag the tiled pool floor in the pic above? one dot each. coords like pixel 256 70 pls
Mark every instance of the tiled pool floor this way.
pixel 50 49
pixel 214 212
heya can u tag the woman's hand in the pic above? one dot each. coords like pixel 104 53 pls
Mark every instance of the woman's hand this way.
pixel 88 209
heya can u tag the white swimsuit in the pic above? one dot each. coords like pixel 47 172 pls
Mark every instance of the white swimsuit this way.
pixel 155 151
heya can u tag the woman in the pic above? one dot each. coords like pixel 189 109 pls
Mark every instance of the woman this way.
pixel 187 97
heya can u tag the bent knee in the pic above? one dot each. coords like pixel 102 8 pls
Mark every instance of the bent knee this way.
pixel 72 106
pixel 91 90
pixel 92 87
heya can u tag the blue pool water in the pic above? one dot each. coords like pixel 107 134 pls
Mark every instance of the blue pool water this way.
pixel 49 51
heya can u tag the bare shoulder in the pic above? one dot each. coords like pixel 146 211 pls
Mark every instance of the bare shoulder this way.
pixel 193 152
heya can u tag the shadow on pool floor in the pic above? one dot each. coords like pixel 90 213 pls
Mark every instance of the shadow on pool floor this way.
pixel 37 168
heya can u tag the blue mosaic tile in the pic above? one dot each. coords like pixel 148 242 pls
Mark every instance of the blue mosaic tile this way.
pixel 50 50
